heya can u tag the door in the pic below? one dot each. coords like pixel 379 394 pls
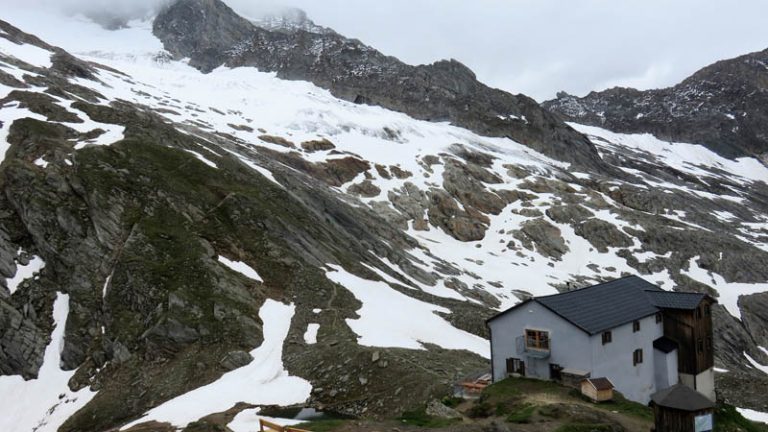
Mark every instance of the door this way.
pixel 515 366
pixel 554 372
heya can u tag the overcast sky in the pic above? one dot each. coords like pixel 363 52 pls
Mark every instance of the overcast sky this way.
pixel 536 47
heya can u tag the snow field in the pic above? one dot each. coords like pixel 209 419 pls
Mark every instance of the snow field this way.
pixel 45 403
pixel 262 382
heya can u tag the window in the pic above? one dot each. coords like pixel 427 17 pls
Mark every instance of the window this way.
pixel 537 339
pixel 709 343
pixel 700 345
pixel 636 326
pixel 708 309
pixel 637 357
pixel 659 317
pixel 607 337
pixel 515 366
pixel 697 313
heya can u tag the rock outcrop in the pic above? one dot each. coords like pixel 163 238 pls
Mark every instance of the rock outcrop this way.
pixel 723 106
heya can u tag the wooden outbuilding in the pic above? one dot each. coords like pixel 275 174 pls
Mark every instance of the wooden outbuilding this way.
pixel 681 409
pixel 597 389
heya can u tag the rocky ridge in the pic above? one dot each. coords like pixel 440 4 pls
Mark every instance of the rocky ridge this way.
pixel 723 106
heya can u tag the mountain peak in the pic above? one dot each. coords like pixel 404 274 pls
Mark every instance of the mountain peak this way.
pixel 204 29
pixel 289 20
pixel 722 106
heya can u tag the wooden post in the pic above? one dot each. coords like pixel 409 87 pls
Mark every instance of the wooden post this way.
pixel 267 426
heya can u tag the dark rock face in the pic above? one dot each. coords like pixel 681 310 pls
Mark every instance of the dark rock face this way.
pixel 723 106
pixel 211 34
pixel 546 237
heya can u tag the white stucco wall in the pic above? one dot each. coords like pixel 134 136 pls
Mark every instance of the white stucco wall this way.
pixel 614 360
pixel 570 346
pixel 665 365
pixel 703 383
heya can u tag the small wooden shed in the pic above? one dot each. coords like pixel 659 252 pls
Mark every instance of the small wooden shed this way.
pixel 597 389
pixel 682 409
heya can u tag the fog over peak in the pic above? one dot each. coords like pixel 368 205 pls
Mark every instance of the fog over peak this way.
pixel 523 46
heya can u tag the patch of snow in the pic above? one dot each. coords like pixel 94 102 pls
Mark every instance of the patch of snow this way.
pixel 756 364
pixel 106 286
pixel 41 162
pixel 691 158
pixel 27 53
pixel 439 290
pixel 755 416
pixel 242 268
pixel 260 169
pixel 728 292
pixel 581 175
pixel 45 403
pixel 417 321
pixel 202 158
pixel 317 310
pixel 248 421
pixel 262 382
pixel 24 272
pixel 721 370
pixel 310 336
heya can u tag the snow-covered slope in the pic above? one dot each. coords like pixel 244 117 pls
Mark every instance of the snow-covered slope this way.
pixel 44 403
pixel 487 221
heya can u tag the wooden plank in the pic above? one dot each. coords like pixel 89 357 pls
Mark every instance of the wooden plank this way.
pixel 266 426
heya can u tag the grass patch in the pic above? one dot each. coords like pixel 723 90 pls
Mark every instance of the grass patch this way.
pixel 513 387
pixel 727 419
pixel 523 415
pixel 452 401
pixel 480 409
pixel 584 427
pixel 326 425
pixel 627 407
pixel 420 418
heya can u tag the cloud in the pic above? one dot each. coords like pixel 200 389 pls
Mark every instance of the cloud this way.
pixel 124 10
pixel 536 47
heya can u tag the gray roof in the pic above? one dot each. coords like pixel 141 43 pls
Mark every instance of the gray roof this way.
pixel 608 305
pixel 675 300
pixel 600 383
pixel 681 397
pixel 605 306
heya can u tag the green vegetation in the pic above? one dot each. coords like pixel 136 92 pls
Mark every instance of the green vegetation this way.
pixel 324 425
pixel 727 419
pixel 420 418
pixel 624 406
pixel 451 401
pixel 480 410
pixel 584 427
pixel 523 415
